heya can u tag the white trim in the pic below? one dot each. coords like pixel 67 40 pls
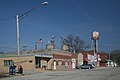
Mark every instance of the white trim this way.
pixel 49 56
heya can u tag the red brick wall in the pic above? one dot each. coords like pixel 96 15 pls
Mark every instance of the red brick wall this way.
pixel 103 64
pixel 104 56
pixel 60 56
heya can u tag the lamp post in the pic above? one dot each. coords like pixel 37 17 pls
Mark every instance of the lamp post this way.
pixel 18 19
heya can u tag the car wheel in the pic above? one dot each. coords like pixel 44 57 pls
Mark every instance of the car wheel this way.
pixel 89 67
pixel 80 68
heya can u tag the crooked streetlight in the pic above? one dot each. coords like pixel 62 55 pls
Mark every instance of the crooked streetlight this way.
pixel 18 19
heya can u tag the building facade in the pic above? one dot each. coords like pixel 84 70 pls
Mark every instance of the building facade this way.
pixel 30 62
pixel 61 60
pixel 36 61
pixel 89 57
pixel 104 58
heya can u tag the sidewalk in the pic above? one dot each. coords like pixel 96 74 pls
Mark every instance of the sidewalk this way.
pixel 2 75
pixel 42 74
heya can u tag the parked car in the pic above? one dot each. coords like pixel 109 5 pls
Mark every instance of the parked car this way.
pixel 86 66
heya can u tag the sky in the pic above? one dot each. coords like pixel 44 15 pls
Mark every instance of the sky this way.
pixel 60 17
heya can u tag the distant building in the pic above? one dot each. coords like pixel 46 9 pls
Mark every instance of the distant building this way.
pixel 104 58
pixel 89 57
pixel 50 46
pixel 65 48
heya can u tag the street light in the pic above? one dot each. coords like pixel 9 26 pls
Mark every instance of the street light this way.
pixel 18 19
pixel 45 3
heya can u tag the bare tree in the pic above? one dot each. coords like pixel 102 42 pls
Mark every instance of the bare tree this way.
pixel 75 43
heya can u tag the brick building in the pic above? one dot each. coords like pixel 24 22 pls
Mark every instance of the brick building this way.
pixel 61 60
pixel 104 58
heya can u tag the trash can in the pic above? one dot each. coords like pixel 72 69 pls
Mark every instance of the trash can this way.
pixel 21 69
pixel 12 70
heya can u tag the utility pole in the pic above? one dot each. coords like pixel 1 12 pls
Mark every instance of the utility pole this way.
pixel 18 19
pixel 18 40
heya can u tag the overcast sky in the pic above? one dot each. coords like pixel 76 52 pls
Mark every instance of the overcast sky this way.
pixel 60 17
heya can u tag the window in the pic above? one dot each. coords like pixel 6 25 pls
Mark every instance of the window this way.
pixel 59 62
pixel 37 62
pixel 8 62
pixel 66 63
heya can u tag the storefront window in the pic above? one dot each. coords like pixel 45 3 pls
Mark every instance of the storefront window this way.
pixel 8 62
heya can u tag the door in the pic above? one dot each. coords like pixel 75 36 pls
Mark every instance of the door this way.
pixel 54 65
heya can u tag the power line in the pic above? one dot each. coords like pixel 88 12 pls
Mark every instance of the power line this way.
pixel 7 18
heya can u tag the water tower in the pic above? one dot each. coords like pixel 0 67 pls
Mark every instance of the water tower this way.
pixel 95 37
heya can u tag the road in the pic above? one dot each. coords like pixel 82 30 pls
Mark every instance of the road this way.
pixel 111 73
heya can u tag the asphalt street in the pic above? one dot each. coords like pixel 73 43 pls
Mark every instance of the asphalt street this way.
pixel 111 73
